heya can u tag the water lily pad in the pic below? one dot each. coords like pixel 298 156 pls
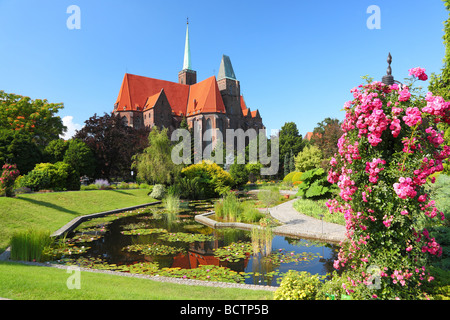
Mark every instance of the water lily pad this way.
pixel 153 249
pixel 234 252
pixel 185 237
pixel 142 232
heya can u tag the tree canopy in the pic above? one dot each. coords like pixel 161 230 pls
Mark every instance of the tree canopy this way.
pixel 326 136
pixel 113 144
pixel 290 141
pixel 154 164
pixel 35 117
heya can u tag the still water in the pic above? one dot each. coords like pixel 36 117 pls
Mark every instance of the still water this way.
pixel 178 241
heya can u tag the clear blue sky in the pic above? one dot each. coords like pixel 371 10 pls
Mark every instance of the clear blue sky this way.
pixel 296 60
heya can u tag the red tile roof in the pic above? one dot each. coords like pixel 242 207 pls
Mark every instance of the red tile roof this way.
pixel 244 108
pixel 309 135
pixel 255 114
pixel 136 89
pixel 151 101
pixel 143 92
pixel 205 97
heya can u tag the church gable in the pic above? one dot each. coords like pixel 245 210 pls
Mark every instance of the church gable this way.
pixel 204 97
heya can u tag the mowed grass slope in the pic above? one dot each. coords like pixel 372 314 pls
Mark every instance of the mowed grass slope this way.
pixel 25 282
pixel 51 211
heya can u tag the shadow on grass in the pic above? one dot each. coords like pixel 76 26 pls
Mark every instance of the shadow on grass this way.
pixel 48 205
pixel 123 192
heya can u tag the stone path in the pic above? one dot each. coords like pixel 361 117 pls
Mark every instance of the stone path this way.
pixel 295 223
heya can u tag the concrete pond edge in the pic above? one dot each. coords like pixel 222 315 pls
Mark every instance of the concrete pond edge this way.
pixel 292 233
pixel 71 225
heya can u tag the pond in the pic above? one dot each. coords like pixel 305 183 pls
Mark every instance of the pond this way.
pixel 152 241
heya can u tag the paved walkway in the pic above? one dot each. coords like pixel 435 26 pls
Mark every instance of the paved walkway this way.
pixel 304 226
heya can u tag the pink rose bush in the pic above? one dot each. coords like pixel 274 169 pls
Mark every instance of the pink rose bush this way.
pixel 388 151
pixel 9 175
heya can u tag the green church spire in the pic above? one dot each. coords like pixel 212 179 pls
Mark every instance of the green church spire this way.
pixel 187 51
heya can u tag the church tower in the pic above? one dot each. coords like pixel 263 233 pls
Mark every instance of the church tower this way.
pixel 230 90
pixel 187 75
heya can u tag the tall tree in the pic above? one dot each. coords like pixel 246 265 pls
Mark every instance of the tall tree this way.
pixel 440 83
pixel 80 157
pixel 292 162
pixel 113 144
pixel 326 135
pixel 286 165
pixel 55 151
pixel 154 164
pixel 17 147
pixel 290 140
pixel 309 158
pixel 35 117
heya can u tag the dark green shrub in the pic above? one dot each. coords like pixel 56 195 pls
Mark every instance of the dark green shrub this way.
pixel 189 188
pixel 239 174
pixel 254 171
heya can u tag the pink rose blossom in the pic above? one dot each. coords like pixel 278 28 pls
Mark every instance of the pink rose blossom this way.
pixel 418 73
pixel 404 95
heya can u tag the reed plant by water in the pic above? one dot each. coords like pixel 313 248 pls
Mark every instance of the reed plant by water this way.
pixel 262 237
pixel 232 209
pixel 29 245
pixel 229 207
pixel 171 203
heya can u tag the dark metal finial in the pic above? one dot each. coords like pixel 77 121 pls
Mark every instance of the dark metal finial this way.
pixel 388 78
pixel 389 61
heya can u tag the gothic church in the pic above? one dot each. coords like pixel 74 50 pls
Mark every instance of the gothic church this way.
pixel 209 104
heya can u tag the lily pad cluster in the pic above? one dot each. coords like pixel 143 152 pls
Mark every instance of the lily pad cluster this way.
pixel 234 252
pixel 205 272
pixel 143 232
pixel 58 252
pixel 138 225
pixel 153 249
pixel 83 238
pixel 283 256
pixel 185 237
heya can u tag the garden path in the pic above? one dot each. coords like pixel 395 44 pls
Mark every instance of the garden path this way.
pixel 296 223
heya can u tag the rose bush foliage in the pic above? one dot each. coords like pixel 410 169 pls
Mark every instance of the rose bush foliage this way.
pixel 388 151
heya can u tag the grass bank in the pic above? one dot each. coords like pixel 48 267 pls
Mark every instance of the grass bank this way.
pixel 50 211
pixel 317 209
pixel 25 282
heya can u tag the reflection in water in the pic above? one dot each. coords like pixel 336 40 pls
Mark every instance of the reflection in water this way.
pixel 268 258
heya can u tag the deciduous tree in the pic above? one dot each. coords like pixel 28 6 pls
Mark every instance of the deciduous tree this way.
pixel 113 144
pixel 36 117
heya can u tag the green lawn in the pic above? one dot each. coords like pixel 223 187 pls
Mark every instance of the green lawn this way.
pixel 24 282
pixel 50 211
pixel 316 209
